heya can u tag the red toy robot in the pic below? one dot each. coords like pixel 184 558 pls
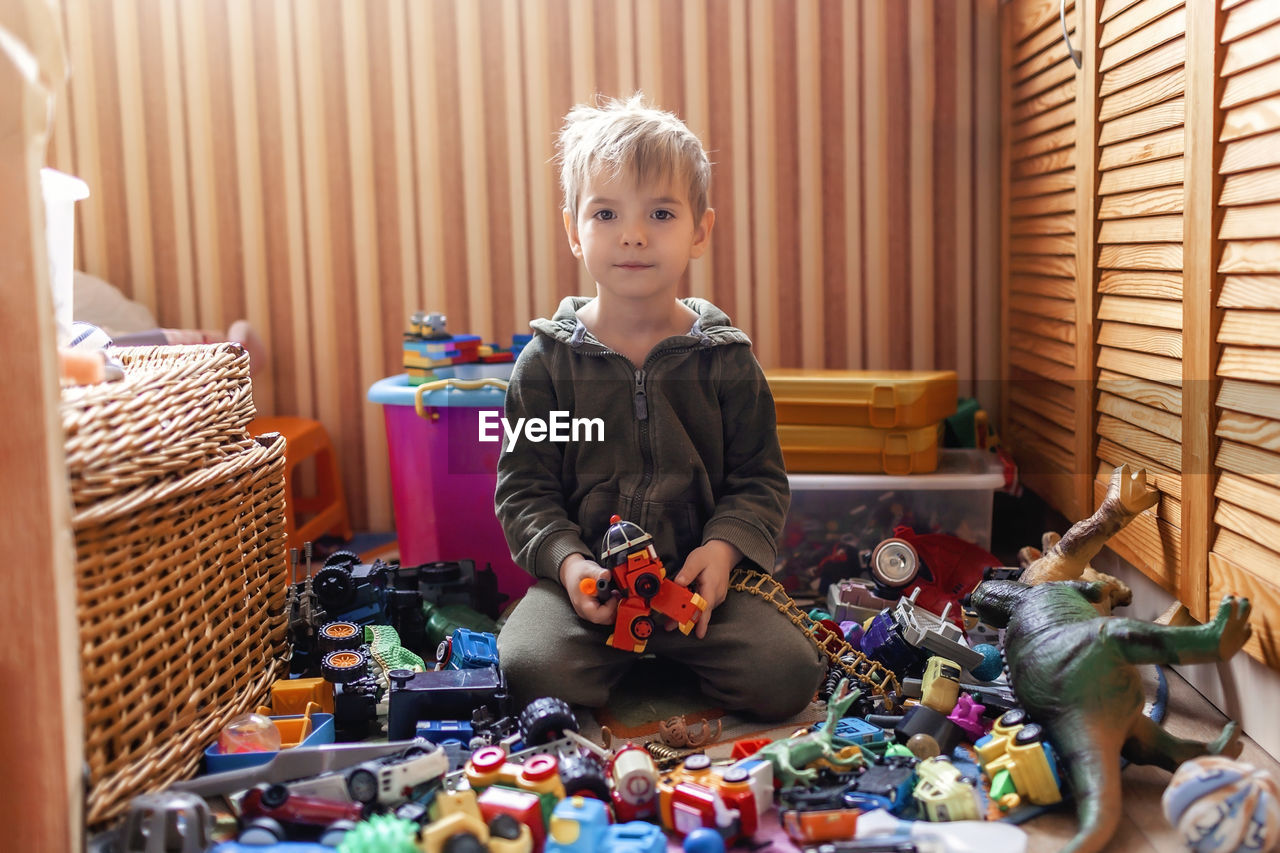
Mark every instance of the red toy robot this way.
pixel 640 579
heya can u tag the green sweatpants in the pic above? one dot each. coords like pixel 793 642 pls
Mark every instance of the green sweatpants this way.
pixel 752 659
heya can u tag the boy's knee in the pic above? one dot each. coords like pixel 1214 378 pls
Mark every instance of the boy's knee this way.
pixel 772 689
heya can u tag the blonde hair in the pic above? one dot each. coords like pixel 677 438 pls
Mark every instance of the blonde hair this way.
pixel 630 137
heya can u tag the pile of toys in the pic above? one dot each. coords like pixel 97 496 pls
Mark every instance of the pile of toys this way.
pixel 428 346
pixel 949 717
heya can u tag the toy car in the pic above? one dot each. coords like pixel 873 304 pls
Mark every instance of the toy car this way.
pixel 942 794
pixel 268 811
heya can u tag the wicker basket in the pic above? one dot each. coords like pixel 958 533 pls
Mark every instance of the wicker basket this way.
pixel 180 561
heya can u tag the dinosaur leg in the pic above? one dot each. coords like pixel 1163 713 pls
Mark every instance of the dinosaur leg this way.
pixel 1148 743
pixel 1095 782
pixel 1146 642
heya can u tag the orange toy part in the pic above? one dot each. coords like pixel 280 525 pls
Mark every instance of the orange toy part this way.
pixel 640 578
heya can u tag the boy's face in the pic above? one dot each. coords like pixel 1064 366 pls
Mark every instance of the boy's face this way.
pixel 636 239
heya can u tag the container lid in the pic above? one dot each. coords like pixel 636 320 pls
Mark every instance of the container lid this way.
pixel 396 391
pixel 962 469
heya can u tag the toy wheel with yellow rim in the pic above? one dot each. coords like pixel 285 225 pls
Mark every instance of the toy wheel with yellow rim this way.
pixel 344 666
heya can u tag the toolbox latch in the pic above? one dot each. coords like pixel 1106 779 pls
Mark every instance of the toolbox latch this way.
pixel 897 453
pixel 884 406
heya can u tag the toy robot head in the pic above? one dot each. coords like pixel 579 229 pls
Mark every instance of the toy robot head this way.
pixel 622 538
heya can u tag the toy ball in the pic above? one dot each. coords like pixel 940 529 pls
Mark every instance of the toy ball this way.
pixel 249 733
pixel 923 746
pixel 1222 806
pixel 992 663
pixel 703 840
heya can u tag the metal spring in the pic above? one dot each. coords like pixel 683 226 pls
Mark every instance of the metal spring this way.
pixel 667 756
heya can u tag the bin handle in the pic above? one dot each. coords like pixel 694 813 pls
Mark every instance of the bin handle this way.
pixel 451 384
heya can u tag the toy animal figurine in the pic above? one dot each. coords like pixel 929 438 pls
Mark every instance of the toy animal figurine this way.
pixel 676 732
pixel 1075 673
pixel 1068 558
pixel 639 578
pixel 791 757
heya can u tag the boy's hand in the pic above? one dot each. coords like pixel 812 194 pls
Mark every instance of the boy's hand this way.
pixel 575 569
pixel 706 572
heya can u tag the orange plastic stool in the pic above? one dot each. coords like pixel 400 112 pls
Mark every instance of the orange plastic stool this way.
pixel 327 509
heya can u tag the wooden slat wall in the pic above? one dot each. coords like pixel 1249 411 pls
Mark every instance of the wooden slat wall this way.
pixel 1040 227
pixel 326 169
pixel 1140 101
pixel 1245 556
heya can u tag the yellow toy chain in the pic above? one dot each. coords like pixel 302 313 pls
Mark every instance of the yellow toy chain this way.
pixel 862 670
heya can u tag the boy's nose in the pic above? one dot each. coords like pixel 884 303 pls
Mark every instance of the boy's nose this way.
pixel 633 237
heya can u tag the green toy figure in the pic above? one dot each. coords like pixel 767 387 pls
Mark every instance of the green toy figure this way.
pixel 1075 673
pixel 791 757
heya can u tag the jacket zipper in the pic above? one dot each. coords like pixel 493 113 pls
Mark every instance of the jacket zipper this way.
pixel 640 402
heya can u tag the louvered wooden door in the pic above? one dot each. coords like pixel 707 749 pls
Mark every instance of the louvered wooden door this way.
pixel 1140 109
pixel 1245 550
pixel 1156 224
pixel 1044 368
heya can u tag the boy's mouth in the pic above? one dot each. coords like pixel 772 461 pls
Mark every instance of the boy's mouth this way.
pixel 633 266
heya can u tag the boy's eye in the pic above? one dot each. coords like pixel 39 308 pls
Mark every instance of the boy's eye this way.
pixel 603 215
pixel 663 214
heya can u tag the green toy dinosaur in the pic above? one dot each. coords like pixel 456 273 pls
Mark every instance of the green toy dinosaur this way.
pixel 791 757
pixel 1075 673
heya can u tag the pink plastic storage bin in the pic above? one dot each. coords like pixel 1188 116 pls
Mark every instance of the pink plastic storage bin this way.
pixel 442 476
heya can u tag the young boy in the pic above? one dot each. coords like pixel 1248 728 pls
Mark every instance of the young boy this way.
pixel 689 450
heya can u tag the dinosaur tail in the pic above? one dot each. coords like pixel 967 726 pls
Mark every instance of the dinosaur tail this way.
pixel 1093 770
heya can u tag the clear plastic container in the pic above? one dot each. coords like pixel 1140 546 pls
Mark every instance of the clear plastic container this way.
pixel 855 512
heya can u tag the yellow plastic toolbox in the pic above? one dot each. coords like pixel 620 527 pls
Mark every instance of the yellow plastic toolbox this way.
pixel 898 399
pixel 859 450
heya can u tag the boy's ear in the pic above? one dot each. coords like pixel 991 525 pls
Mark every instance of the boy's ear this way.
pixel 571 229
pixel 702 234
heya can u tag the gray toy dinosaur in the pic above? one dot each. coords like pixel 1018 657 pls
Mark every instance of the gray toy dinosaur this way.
pixel 1075 673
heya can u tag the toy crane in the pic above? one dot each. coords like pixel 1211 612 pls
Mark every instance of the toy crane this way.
pixel 640 579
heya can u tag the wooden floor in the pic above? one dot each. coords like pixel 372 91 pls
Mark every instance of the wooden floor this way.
pixel 1143 829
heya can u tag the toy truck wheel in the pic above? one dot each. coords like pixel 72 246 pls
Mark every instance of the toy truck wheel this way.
pixel 339 635
pixel 1016 717
pixel 894 563
pixel 274 796
pixel 362 785
pixel 463 842
pixel 334 587
pixel 642 627
pixel 1030 733
pixel 646 585
pixel 543 720
pixel 335 832
pixel 262 832
pixel 582 775
pixel 504 826
pixel 344 666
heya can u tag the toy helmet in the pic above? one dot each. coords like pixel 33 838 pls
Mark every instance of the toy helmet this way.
pixel 621 538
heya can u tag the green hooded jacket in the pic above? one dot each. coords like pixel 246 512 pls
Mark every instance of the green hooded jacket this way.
pixel 689 452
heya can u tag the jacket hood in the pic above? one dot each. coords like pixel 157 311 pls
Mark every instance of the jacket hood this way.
pixel 712 328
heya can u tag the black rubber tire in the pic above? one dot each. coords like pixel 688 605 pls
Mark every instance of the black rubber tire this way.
pixel 362 785
pixel 344 666
pixel 504 826
pixel 463 842
pixel 335 636
pixel 274 796
pixel 583 775
pixel 262 832
pixel 334 587
pixel 642 627
pixel 1016 717
pixel 335 832
pixel 543 720
pixel 1028 734
pixel 646 585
